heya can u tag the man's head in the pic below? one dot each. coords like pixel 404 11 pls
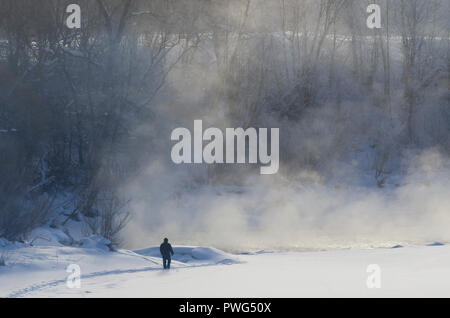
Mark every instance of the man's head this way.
pixel 166 240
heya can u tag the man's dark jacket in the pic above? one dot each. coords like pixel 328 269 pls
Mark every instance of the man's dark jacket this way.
pixel 166 250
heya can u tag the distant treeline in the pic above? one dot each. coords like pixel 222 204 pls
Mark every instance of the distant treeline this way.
pixel 71 99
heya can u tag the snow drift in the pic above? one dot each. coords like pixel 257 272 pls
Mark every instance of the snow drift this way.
pixel 187 254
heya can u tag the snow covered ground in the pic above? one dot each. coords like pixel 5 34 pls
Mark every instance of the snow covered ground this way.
pixel 40 271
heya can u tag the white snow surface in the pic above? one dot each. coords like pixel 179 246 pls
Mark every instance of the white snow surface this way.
pixel 40 271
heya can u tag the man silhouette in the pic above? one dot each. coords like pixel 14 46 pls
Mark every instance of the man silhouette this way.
pixel 166 253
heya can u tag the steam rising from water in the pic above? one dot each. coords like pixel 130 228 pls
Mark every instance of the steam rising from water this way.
pixel 274 213
pixel 235 208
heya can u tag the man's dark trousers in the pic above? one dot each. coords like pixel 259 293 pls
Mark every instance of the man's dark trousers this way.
pixel 166 262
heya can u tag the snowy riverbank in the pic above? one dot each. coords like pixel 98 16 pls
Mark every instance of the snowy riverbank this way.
pixel 40 271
